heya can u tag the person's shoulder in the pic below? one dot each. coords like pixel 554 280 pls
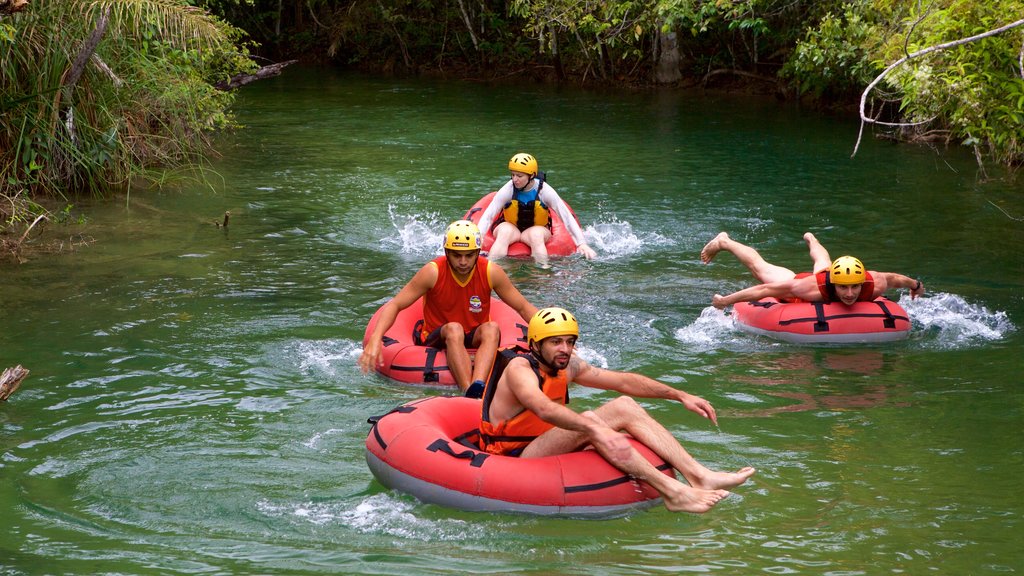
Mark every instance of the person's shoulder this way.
pixel 431 269
pixel 577 366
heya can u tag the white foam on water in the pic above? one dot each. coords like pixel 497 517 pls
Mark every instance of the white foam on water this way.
pixel 420 234
pixel 952 322
pixel 616 238
pixel 383 514
pixel 327 356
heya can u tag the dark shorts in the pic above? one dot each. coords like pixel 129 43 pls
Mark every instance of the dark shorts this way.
pixel 434 340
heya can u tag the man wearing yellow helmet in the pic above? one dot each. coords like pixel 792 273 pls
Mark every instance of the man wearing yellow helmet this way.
pixel 521 208
pixel 843 280
pixel 456 291
pixel 525 414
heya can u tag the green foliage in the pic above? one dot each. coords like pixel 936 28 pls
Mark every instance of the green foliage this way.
pixel 833 57
pixel 973 90
pixel 144 101
pixel 746 35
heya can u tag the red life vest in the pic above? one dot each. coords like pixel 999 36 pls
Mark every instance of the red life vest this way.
pixel 828 289
pixel 511 436
pixel 468 304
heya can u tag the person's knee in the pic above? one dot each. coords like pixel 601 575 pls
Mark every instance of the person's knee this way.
pixel 506 232
pixel 489 333
pixel 453 333
pixel 622 411
pixel 536 235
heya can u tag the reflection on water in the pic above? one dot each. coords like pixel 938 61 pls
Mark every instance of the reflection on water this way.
pixel 815 380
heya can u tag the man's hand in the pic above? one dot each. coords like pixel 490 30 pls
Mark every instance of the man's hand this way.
pixel 371 356
pixel 718 301
pixel 700 406
pixel 612 444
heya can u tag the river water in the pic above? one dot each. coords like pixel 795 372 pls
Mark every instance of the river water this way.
pixel 194 404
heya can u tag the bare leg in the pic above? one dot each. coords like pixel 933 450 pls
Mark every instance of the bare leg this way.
pixel 504 234
pixel 486 341
pixel 458 357
pixel 819 255
pixel 537 237
pixel 706 486
pixel 763 271
pixel 624 413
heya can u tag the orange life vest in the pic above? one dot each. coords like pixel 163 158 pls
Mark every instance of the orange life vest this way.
pixel 511 436
pixel 468 304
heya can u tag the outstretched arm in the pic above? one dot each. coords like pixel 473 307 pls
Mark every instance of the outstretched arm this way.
pixel 423 281
pixel 775 290
pixel 550 197
pixel 893 280
pixel 638 386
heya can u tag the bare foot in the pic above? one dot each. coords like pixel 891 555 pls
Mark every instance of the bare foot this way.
pixel 696 500
pixel 718 480
pixel 808 237
pixel 712 248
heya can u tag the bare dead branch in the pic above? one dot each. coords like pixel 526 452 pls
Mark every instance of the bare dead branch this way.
pixel 10 380
pixel 469 26
pixel 864 119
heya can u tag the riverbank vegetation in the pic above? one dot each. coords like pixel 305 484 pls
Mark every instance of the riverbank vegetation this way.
pixel 96 95
pixel 100 95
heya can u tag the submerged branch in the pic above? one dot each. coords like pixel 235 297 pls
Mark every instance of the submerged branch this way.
pixel 268 71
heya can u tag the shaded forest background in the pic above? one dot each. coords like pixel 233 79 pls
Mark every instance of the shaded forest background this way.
pixel 98 96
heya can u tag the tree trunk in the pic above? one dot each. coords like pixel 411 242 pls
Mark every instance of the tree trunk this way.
pixel 667 69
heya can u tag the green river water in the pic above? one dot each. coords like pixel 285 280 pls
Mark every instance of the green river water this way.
pixel 194 404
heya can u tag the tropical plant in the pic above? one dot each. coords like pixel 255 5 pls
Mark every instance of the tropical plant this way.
pixel 95 94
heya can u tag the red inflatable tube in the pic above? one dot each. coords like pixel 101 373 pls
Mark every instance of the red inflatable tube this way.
pixel 880 320
pixel 408 362
pixel 427 448
pixel 560 243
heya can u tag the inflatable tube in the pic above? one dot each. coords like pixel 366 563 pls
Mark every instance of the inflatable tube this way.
pixel 880 320
pixel 560 243
pixel 427 448
pixel 408 362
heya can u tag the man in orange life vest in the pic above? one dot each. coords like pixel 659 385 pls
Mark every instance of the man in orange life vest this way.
pixel 456 291
pixel 844 280
pixel 521 418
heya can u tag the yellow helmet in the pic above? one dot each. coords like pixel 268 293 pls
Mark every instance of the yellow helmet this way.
pixel 548 322
pixel 846 271
pixel 462 235
pixel 523 162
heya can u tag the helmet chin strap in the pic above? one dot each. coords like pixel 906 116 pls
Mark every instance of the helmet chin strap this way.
pixel 535 350
pixel 515 189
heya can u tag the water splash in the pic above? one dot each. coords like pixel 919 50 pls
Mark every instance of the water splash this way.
pixel 325 357
pixel 592 356
pixel 952 322
pixel 384 514
pixel 416 234
pixel 708 331
pixel 616 238
pixel 942 321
